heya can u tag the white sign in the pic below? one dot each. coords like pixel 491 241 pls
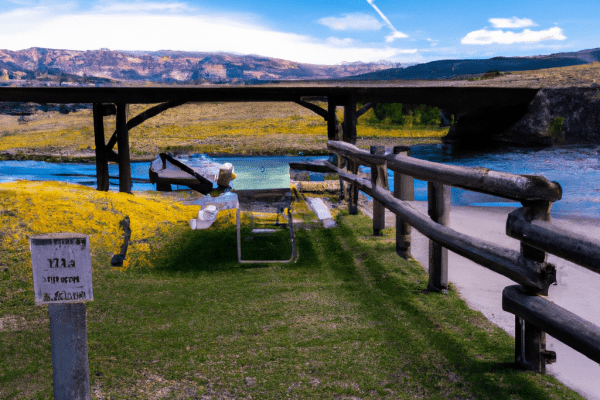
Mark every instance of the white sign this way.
pixel 62 268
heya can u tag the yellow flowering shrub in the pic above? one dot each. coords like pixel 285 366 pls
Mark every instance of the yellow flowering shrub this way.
pixel 29 208
pixel 52 141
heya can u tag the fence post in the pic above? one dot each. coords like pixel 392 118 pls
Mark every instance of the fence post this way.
pixel 378 178
pixel 68 340
pixel 404 189
pixel 530 341
pixel 349 136
pixel 353 188
pixel 438 199
pixel 62 278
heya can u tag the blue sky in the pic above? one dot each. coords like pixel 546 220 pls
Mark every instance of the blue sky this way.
pixel 319 32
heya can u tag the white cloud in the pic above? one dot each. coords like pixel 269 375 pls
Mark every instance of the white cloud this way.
pixel 67 27
pixel 339 42
pixel 140 7
pixel 484 36
pixel 357 22
pixel 513 22
pixel 395 35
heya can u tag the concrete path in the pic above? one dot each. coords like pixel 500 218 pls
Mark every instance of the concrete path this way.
pixel 578 290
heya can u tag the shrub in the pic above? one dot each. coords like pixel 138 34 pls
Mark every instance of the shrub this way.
pixel 428 115
pixel 389 112
pixel 491 74
pixel 556 130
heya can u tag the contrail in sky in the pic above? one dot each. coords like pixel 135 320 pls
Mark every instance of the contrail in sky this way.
pixel 395 33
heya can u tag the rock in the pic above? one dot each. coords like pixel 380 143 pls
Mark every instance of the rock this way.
pixel 580 108
pixel 250 381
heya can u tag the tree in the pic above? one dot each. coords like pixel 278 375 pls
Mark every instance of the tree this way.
pixel 389 112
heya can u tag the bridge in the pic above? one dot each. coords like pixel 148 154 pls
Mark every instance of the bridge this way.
pixel 477 107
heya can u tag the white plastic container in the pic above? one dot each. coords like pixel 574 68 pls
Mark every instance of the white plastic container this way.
pixel 208 212
pixel 210 207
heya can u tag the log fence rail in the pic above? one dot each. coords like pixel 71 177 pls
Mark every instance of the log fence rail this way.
pixel 534 315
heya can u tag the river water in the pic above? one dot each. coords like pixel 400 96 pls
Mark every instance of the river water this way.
pixel 576 168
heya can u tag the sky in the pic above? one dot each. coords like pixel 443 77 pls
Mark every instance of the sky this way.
pixel 310 31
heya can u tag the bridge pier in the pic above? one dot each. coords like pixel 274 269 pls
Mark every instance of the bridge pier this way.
pixel 101 159
pixel 104 152
pixel 123 145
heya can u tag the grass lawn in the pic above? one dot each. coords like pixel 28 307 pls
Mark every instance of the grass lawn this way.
pixel 349 320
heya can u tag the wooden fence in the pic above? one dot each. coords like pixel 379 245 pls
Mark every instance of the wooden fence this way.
pixel 534 315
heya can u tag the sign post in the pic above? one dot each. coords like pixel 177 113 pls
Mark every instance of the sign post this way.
pixel 62 278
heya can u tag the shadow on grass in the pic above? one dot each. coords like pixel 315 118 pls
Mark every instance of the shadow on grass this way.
pixel 424 331
pixel 215 250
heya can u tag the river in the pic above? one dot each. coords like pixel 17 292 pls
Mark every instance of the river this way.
pixel 576 168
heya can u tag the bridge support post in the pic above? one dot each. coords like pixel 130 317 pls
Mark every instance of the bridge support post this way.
pixel 333 133
pixel 123 144
pixel 101 158
pixel 378 178
pixel 404 189
pixel 350 121
pixel 438 199
pixel 530 341
pixel 332 128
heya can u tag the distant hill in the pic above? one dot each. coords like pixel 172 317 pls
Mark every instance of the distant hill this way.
pixel 450 69
pixel 164 67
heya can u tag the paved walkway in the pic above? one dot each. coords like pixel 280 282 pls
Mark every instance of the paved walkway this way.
pixel 578 289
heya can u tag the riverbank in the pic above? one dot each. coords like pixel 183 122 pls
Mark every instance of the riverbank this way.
pixel 209 128
pixel 576 289
pixel 89 157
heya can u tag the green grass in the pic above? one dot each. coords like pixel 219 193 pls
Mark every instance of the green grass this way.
pixel 350 318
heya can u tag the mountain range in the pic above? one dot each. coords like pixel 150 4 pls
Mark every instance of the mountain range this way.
pixel 54 67
pixel 453 69
pixel 105 65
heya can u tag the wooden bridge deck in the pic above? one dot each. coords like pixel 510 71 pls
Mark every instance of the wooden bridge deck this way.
pixel 450 98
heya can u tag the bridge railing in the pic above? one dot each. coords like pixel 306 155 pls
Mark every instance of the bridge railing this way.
pixel 534 315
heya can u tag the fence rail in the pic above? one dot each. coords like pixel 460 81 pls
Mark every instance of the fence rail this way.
pixel 563 243
pixel 534 276
pixel 534 315
pixel 564 325
pixel 483 180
